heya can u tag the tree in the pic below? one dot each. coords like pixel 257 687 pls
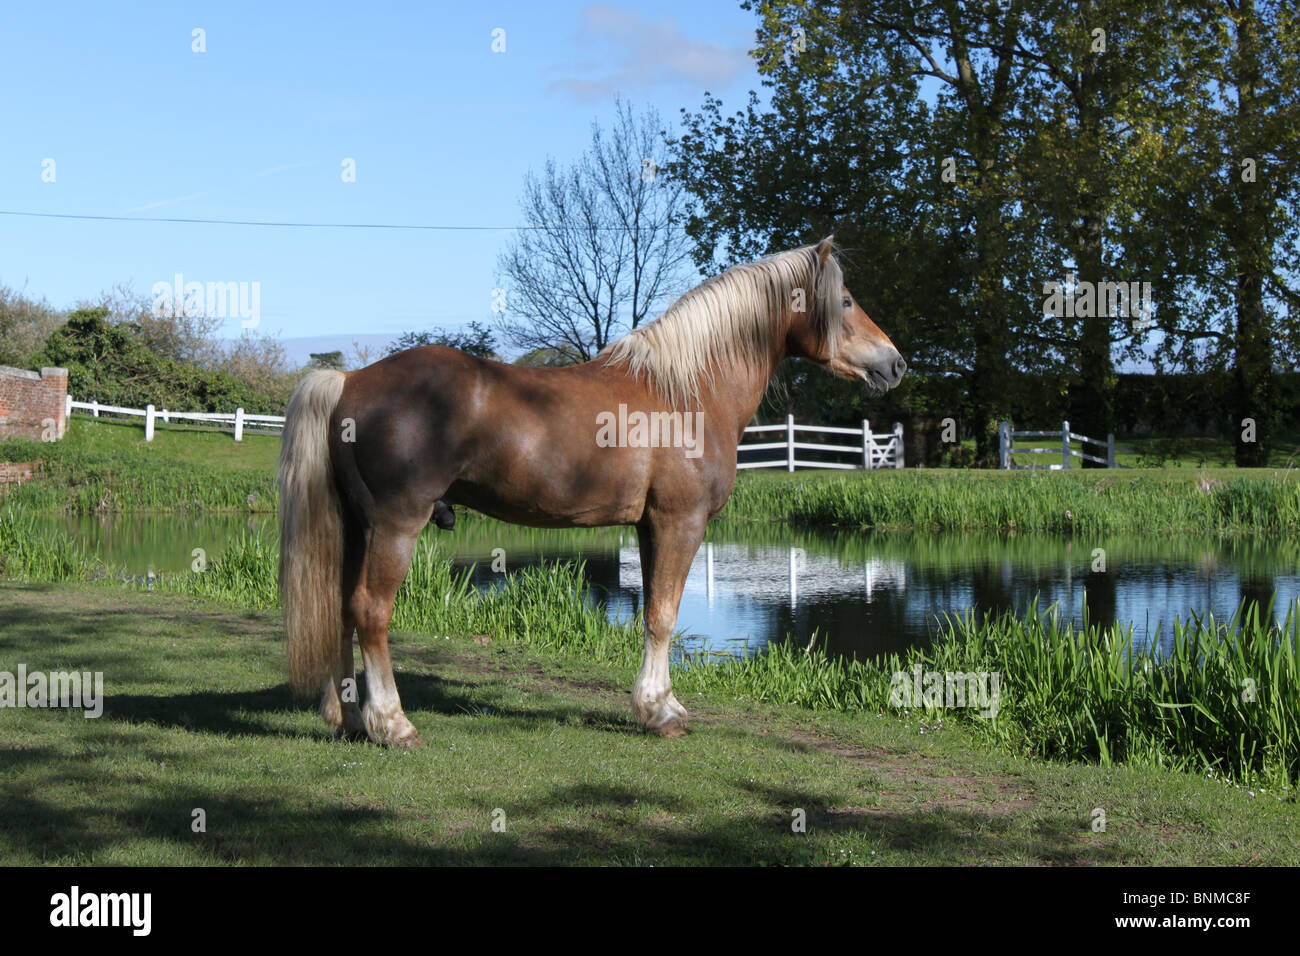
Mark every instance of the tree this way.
pixel 602 248
pixel 326 360
pixel 1223 218
pixel 477 339
pixel 110 361
pixel 1255 131
pixel 925 196
pixel 25 324
pixel 184 336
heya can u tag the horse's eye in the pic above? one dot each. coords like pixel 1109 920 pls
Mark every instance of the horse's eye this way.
pixel 848 303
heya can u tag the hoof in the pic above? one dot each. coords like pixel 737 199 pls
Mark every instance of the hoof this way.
pixel 353 735
pixel 394 731
pixel 666 720
pixel 406 742
pixel 672 728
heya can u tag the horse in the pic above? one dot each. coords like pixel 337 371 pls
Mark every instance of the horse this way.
pixel 645 435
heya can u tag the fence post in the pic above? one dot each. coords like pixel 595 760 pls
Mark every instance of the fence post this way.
pixel 898 444
pixel 1110 450
pixel 866 445
pixel 1004 445
pixel 67 413
pixel 148 422
pixel 239 424
pixel 1065 444
pixel 94 408
pixel 789 443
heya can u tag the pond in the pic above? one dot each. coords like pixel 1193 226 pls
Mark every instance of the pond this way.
pixel 863 593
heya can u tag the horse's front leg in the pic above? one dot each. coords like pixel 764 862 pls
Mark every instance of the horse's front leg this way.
pixel 668 544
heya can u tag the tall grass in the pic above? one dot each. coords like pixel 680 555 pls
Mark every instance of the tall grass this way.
pixel 1223 697
pixel 1095 502
pixel 29 554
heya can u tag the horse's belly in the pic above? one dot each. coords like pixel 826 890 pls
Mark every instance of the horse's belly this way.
pixel 545 509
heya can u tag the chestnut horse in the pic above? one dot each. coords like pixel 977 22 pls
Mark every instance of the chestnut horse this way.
pixel 643 435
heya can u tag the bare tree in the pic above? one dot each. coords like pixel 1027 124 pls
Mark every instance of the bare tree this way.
pixel 603 247
pixel 25 324
pixel 185 337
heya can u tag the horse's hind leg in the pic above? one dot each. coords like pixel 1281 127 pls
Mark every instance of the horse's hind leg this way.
pixel 339 704
pixel 369 603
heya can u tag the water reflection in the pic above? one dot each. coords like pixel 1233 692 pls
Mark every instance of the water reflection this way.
pixel 864 594
pixel 869 594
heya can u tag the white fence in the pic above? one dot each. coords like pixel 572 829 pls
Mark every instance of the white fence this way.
pixel 1007 450
pixel 871 451
pixel 237 419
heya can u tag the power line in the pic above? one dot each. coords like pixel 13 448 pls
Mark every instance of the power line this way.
pixel 253 222
pixel 316 225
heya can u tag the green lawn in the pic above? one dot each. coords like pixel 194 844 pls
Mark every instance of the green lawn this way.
pixel 173 443
pixel 198 717
pixel 101 466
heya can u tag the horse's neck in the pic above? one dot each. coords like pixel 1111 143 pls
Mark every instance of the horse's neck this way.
pixel 739 389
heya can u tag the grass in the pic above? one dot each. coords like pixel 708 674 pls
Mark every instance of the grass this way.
pixel 1091 502
pixel 1145 451
pixel 1197 451
pixel 102 466
pixel 200 713
pixel 197 716
pixel 1067 692
pixel 1222 702
pixel 28 553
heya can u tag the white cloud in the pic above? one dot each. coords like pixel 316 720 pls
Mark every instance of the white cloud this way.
pixel 635 51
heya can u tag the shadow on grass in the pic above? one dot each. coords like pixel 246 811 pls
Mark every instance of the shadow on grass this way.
pixel 577 823
pixel 245 712
pixel 76 800
pixel 61 638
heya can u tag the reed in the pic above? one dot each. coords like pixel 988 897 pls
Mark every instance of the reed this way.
pixel 1221 698
pixel 27 553
pixel 1060 502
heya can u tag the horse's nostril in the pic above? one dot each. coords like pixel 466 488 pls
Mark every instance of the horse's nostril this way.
pixel 899 368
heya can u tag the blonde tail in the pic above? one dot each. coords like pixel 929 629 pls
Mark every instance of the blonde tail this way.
pixel 311 535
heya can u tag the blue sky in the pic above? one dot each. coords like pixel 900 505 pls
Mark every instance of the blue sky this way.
pixel 441 128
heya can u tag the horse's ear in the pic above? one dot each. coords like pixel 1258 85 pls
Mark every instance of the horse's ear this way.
pixel 828 290
pixel 824 250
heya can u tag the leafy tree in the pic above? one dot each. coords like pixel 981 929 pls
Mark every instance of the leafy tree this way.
pixel 924 197
pixel 1246 138
pixel 105 361
pixel 477 339
pixel 327 360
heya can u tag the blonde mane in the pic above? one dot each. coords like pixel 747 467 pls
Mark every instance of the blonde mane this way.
pixel 731 317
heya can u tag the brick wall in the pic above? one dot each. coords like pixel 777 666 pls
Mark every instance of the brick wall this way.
pixel 33 404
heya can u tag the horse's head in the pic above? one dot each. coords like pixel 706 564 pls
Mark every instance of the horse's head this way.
pixel 841 337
